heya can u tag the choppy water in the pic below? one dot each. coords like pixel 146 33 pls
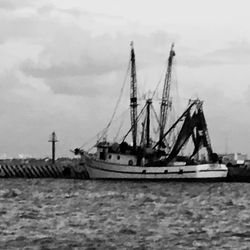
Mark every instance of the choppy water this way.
pixel 80 214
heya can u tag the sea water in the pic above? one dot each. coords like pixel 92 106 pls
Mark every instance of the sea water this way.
pixel 93 214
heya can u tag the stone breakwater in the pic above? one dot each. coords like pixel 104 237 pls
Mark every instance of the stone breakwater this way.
pixel 42 171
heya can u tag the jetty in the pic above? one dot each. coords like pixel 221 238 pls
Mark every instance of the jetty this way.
pixel 41 169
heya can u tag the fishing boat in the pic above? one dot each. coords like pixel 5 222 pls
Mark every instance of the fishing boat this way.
pixel 156 160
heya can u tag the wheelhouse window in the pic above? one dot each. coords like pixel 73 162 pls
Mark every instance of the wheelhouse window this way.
pixel 102 155
pixel 110 156
pixel 118 157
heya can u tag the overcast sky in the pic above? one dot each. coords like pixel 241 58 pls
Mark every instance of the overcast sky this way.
pixel 63 62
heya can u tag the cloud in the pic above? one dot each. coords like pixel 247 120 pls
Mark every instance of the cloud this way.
pixel 80 53
pixel 7 5
pixel 86 66
pixel 28 23
pixel 26 28
pixel 76 53
pixel 235 53
pixel 62 77
pixel 30 112
pixel 91 87
pixel 50 8
pixel 68 64
pixel 247 95
pixel 10 5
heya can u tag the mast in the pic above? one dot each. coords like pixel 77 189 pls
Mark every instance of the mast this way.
pixel 165 103
pixel 149 102
pixel 133 97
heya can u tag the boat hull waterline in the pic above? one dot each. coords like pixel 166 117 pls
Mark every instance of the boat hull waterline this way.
pixel 105 170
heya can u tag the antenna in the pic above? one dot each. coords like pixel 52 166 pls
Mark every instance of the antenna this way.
pixel 53 140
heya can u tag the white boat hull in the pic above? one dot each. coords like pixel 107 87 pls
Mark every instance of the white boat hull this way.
pixel 98 169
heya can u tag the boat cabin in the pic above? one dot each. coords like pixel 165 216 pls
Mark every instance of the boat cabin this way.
pixel 112 154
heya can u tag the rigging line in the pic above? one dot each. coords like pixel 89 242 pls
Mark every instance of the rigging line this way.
pixel 158 84
pixel 119 130
pixel 98 137
pixel 118 100
pixel 154 125
pixel 90 149
pixel 194 102
pixel 121 124
pixel 92 138
pixel 157 119
pixel 100 132
pixel 143 131
pixel 103 131
pixel 175 85
pixel 135 122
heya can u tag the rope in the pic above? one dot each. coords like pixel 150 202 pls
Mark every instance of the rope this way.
pixel 121 124
pixel 104 131
pixel 156 116
pixel 91 139
pixel 138 117
pixel 118 101
pixel 99 134
pixel 158 84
